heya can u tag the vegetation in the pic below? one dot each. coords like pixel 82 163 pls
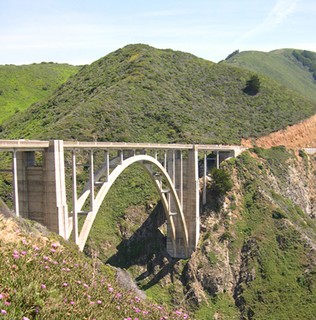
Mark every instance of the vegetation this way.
pixel 308 59
pixel 295 69
pixel 275 256
pixel 252 85
pixel 42 277
pixel 21 86
pixel 139 93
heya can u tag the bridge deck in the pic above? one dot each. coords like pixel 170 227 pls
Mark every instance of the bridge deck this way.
pixel 31 145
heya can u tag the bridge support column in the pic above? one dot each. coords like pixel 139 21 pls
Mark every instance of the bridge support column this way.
pixel 54 193
pixel 187 185
pixel 41 189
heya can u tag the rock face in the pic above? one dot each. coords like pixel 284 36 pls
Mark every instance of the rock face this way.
pixel 267 218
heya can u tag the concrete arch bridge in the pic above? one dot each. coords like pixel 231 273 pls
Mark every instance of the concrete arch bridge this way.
pixel 39 183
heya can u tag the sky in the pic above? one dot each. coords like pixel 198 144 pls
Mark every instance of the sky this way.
pixel 82 31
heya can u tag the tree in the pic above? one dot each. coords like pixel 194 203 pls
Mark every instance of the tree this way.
pixel 252 85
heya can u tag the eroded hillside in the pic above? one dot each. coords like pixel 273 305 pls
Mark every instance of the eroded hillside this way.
pixel 300 135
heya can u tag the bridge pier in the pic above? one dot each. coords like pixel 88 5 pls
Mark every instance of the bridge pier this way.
pixel 184 173
pixel 41 191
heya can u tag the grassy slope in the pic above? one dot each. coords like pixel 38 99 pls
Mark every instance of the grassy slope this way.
pixel 275 236
pixel 139 93
pixel 20 86
pixel 43 277
pixel 281 66
pixel 271 241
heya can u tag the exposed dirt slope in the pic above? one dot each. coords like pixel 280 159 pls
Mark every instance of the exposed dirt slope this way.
pixel 300 135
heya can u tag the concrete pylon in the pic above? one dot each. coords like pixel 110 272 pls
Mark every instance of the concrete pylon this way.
pixel 184 171
pixel 42 189
pixel 54 193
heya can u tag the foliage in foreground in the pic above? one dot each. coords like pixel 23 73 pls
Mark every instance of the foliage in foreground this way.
pixel 45 278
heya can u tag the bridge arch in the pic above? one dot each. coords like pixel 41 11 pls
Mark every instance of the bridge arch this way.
pixel 147 162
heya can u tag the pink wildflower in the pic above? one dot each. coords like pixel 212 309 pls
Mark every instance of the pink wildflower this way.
pixel 1 296
pixel 55 245
pixel 23 253
pixel 110 289
pixel 99 302
pixel 43 286
pixel 65 284
pixel 25 318
pixel 72 302
pixel 7 303
pixel 3 311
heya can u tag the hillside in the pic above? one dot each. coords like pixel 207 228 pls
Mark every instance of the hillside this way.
pixel 43 277
pixel 256 257
pixel 139 93
pixel 300 135
pixel 295 69
pixel 20 86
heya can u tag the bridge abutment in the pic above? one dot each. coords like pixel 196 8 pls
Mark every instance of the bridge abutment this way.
pixel 41 188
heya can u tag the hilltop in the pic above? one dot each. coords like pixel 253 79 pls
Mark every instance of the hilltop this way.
pixel 295 69
pixel 20 86
pixel 139 93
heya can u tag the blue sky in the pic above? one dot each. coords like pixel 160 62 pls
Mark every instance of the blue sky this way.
pixel 82 31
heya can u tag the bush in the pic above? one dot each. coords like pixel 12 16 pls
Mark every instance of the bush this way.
pixel 221 182
pixel 252 86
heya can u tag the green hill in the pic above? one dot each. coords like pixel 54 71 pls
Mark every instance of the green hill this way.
pixel 20 86
pixel 139 93
pixel 296 69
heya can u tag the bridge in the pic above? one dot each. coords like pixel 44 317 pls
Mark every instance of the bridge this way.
pixel 40 170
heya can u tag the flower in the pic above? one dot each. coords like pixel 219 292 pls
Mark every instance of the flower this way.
pixel 16 254
pixel 3 311
pixel 43 286
pixel 1 296
pixel 65 284
pixel 72 302
pixel 25 318
pixel 110 289
pixel 99 302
